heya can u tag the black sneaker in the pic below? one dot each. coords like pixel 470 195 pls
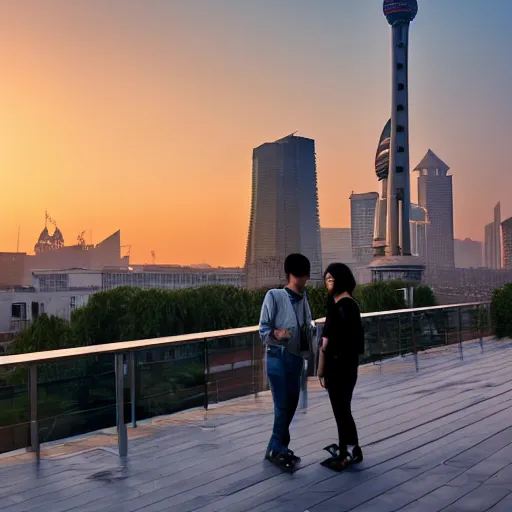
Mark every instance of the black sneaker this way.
pixel 357 455
pixel 282 461
pixel 294 457
pixel 338 463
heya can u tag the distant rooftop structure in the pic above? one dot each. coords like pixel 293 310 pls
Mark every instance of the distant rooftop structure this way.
pixel 431 162
pixel 364 195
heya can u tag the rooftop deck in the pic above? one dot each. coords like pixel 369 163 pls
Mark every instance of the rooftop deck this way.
pixel 440 439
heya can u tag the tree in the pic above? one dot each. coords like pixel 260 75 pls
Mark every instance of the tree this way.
pixel 45 333
pixel 501 310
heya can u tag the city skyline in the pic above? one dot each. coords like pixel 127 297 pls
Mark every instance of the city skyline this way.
pixel 103 117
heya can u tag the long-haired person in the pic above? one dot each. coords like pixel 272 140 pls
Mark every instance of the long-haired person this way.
pixel 342 343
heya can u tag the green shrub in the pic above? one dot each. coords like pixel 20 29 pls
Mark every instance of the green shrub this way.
pixel 130 313
pixel 501 308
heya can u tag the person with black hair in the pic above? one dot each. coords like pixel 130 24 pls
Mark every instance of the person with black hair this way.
pixel 342 343
pixel 285 330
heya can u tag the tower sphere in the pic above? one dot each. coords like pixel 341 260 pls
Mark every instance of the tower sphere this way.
pixel 400 11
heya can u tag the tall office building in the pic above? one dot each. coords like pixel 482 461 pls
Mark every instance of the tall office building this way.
pixel 362 220
pixel 468 253
pixel 284 215
pixel 493 240
pixel 489 245
pixel 497 235
pixel 506 226
pixel 435 194
pixel 336 246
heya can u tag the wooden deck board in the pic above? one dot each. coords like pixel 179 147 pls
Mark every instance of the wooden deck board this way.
pixel 439 439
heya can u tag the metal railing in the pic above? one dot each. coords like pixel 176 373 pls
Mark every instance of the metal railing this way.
pixel 57 394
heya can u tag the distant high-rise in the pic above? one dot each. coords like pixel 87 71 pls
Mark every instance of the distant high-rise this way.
pixel 336 246
pixel 497 235
pixel 468 253
pixel 489 245
pixel 435 194
pixel 493 240
pixel 362 220
pixel 507 242
pixel 284 210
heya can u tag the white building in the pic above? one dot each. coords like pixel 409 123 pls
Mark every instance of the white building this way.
pixel 60 292
pixel 19 307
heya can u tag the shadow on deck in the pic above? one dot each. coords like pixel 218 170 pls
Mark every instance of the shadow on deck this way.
pixel 439 439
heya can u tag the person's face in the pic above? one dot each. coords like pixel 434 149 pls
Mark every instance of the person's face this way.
pixel 300 282
pixel 329 282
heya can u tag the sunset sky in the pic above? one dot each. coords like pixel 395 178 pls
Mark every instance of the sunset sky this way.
pixel 142 114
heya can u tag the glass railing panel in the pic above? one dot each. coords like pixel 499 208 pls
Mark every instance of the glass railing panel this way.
pixel 76 396
pixel 235 367
pixel 14 409
pixel 168 379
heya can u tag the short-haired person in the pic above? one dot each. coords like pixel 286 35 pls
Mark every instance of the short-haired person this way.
pixel 342 343
pixel 285 329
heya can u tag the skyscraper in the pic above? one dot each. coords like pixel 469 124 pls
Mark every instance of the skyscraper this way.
pixel 393 252
pixel 435 194
pixel 284 210
pixel 507 242
pixel 493 240
pixel 489 245
pixel 497 235
pixel 362 219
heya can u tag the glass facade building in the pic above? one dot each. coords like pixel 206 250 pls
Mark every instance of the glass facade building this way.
pixel 362 221
pixel 284 214
pixel 435 194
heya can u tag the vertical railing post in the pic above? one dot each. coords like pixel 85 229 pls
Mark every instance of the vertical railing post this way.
pixel 446 326
pixel 253 364
pixel 264 381
pixel 379 343
pixel 304 385
pixel 133 385
pixel 399 335
pixel 489 319
pixel 414 344
pixel 459 330
pixel 316 348
pixel 34 422
pixel 206 374
pixel 122 434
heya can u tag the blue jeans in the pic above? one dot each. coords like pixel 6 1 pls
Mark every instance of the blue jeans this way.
pixel 284 372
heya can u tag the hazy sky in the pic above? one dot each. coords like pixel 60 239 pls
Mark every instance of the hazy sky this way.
pixel 142 115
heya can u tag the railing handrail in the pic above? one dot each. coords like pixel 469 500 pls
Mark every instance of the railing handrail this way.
pixel 129 346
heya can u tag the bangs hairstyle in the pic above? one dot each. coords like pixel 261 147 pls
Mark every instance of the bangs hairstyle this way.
pixel 344 280
pixel 297 265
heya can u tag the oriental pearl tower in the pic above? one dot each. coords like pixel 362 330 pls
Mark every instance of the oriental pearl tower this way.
pixel 393 260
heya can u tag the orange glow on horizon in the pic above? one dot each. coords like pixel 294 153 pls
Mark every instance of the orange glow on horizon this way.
pixel 144 120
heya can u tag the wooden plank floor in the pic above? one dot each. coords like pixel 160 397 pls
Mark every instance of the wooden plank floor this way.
pixel 439 439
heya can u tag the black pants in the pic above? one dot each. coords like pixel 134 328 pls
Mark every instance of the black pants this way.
pixel 340 386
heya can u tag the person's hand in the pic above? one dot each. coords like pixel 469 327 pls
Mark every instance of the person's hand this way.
pixel 321 379
pixel 282 334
